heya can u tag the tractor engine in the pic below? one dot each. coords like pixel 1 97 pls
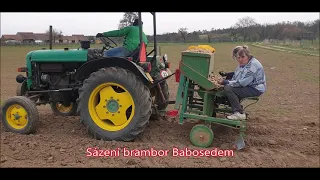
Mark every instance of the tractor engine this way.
pixel 58 77
pixel 51 73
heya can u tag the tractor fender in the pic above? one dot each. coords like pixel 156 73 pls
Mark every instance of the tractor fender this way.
pixel 84 71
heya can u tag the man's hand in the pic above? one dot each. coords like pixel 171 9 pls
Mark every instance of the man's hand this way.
pixel 99 35
pixel 221 81
pixel 222 73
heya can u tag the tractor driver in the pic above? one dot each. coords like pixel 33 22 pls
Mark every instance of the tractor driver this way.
pixel 248 80
pixel 131 40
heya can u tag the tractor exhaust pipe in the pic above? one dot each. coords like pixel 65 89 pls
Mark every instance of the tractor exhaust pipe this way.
pixel 50 37
pixel 155 35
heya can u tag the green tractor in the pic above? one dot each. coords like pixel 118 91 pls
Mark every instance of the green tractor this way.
pixel 114 96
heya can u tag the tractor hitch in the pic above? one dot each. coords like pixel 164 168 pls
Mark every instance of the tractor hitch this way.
pixel 161 80
pixel 161 93
pixel 172 113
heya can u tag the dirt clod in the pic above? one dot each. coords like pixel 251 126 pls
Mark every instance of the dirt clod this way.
pixel 131 162
pixel 272 142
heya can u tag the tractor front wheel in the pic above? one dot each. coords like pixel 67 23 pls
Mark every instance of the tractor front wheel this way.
pixel 20 115
pixel 114 104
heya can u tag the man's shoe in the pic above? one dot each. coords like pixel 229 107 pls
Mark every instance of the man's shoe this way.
pixel 237 116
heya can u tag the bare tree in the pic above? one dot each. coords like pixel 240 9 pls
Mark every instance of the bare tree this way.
pixel 128 19
pixel 261 31
pixel 56 34
pixel 245 24
pixel 315 27
pixel 206 32
pixel 234 33
pixel 183 32
pixel 59 35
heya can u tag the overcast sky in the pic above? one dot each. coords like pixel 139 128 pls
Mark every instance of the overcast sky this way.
pixel 92 23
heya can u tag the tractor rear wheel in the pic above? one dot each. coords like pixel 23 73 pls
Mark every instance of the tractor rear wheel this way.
pixel 114 104
pixel 20 115
pixel 64 110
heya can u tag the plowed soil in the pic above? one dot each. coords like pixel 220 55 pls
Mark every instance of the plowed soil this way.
pixel 283 127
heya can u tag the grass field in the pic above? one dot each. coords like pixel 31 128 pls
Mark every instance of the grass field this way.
pixel 283 127
pixel 305 47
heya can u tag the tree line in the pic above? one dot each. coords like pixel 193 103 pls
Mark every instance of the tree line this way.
pixel 245 29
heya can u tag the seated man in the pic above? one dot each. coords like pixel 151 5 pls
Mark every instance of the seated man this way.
pixel 131 40
pixel 248 80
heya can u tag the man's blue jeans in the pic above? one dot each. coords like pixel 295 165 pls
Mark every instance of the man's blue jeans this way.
pixel 236 93
pixel 117 52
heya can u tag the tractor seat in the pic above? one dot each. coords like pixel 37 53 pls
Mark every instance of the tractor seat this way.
pixel 255 98
pixel 252 98
pixel 135 54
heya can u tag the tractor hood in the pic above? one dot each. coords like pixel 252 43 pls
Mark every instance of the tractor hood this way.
pixel 58 55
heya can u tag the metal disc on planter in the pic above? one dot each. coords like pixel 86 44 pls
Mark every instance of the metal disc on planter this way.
pixel 201 135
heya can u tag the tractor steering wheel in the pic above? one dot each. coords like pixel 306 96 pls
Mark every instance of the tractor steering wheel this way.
pixel 107 43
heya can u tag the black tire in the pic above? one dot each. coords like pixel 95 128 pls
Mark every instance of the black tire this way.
pixel 139 93
pixel 31 110
pixel 165 90
pixel 58 112
pixel 22 88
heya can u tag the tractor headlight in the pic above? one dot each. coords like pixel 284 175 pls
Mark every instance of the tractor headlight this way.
pixel 165 58
pixel 165 61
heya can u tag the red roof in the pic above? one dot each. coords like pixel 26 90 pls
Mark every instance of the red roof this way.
pixel 70 38
pixel 26 35
pixel 63 38
pixel 80 37
pixel 41 36
pixel 11 37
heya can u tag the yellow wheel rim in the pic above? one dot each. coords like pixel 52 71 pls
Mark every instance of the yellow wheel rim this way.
pixel 17 116
pixel 62 108
pixel 111 106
